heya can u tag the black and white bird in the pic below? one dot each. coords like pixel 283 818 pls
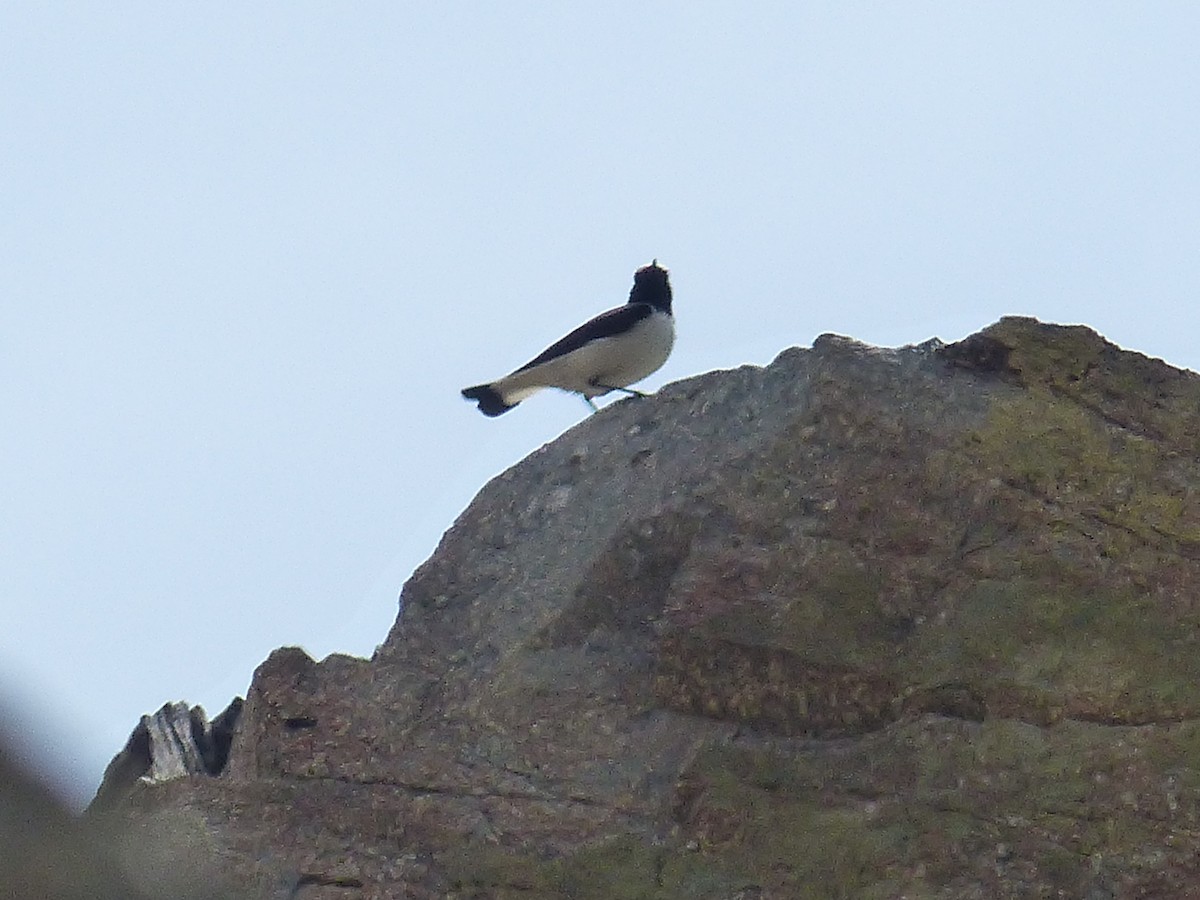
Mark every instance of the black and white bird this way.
pixel 609 353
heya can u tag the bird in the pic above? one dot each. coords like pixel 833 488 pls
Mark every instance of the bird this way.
pixel 608 353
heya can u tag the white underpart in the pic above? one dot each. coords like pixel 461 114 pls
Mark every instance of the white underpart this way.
pixel 617 361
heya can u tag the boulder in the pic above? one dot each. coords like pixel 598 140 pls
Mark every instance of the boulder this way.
pixel 860 623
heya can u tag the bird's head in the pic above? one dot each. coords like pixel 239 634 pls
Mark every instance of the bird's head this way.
pixel 652 285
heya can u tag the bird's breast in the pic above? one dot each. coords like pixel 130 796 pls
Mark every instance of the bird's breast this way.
pixel 626 358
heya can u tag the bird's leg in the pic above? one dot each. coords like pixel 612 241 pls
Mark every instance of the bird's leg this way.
pixel 611 387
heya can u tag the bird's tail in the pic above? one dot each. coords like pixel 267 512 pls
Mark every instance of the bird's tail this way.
pixel 491 403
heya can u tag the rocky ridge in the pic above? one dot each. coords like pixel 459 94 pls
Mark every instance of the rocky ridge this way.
pixel 861 623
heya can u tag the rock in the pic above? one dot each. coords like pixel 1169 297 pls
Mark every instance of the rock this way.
pixel 172 743
pixel 863 622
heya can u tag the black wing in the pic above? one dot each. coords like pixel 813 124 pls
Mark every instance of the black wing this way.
pixel 607 324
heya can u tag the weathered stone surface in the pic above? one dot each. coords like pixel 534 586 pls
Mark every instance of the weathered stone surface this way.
pixel 175 742
pixel 862 623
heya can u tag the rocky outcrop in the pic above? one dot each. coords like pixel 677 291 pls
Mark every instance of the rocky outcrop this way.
pixel 863 622
pixel 174 742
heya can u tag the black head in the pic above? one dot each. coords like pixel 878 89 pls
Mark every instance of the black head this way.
pixel 650 285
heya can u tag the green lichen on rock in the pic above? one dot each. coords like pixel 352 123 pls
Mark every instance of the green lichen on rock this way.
pixel 927 808
pixel 620 868
pixel 1040 650
pixel 1066 455
pixel 1085 611
pixel 759 810
pixel 1127 389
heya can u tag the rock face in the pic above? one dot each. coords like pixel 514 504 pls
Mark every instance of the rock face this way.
pixel 862 623
pixel 173 743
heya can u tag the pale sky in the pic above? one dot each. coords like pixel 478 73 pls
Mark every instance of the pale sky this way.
pixel 249 258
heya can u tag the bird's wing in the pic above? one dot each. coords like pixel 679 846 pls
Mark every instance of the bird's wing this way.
pixel 615 321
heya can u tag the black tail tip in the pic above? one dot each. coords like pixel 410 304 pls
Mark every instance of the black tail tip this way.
pixel 489 399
